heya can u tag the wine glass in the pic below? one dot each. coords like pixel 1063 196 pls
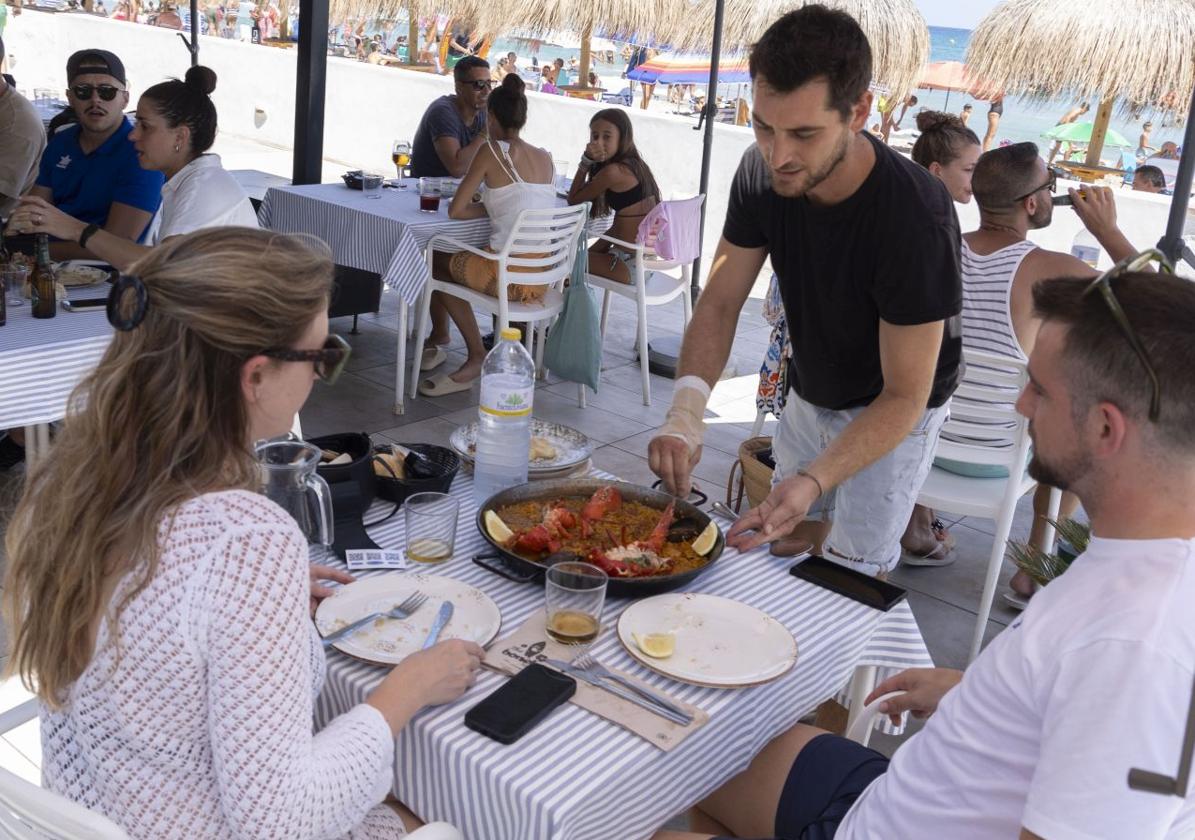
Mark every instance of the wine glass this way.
pixel 401 155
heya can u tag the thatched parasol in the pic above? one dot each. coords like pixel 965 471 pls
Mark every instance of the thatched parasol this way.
pixel 1138 51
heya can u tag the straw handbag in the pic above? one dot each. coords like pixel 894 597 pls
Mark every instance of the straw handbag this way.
pixel 754 477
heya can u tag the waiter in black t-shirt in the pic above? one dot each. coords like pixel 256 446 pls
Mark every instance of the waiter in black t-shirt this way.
pixel 866 246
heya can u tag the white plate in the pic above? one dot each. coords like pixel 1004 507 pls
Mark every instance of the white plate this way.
pixel 572 447
pixel 720 643
pixel 79 273
pixel 475 617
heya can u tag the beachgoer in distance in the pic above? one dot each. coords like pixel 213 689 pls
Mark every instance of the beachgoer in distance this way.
pixel 966 113
pixel 507 66
pixel 613 176
pixel 176 125
pixel 876 342
pixel 1149 179
pixel 546 85
pixel 169 18
pixel 887 121
pixel 1069 117
pixel 1107 647
pixel 1143 148
pixel 560 76
pixel 22 139
pixel 90 170
pixel 517 177
pixel 452 128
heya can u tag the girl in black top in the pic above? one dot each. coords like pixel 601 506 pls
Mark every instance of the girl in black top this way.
pixel 613 176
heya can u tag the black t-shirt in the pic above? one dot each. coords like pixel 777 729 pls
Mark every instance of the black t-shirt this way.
pixel 890 251
pixel 441 119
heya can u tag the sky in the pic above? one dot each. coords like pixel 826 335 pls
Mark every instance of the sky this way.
pixel 962 14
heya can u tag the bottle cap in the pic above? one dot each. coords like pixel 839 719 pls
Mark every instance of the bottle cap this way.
pixel 512 334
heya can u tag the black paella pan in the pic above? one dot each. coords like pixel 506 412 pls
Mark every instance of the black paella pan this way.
pixel 690 521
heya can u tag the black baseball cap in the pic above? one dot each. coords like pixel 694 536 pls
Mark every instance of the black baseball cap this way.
pixel 94 61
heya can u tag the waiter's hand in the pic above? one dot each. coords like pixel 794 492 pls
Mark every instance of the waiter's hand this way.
pixel 670 459
pixel 787 505
pixel 318 591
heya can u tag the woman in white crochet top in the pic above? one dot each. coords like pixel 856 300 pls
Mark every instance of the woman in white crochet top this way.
pixel 160 605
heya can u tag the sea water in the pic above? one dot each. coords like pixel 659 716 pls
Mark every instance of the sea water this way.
pixel 504 417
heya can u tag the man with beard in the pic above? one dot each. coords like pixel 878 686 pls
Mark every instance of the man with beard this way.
pixel 1013 188
pixel 865 244
pixel 452 128
pixel 1036 739
pixel 90 170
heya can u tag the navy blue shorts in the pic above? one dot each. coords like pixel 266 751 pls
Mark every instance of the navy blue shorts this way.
pixel 822 785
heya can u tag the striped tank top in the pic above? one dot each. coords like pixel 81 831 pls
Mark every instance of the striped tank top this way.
pixel 987 285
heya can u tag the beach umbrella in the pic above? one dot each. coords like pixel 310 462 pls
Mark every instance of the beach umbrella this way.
pixel 1140 52
pixel 1080 132
pixel 688 69
pixel 952 76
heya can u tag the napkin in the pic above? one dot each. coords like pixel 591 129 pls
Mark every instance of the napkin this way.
pixel 531 643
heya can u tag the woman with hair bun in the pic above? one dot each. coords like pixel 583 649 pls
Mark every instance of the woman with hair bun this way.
pixel 517 177
pixel 175 127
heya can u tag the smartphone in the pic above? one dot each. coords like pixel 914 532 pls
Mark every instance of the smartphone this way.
pixel 765 457
pixel 869 591
pixel 514 709
pixel 84 303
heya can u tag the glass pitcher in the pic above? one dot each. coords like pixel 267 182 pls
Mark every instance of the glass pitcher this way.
pixel 289 478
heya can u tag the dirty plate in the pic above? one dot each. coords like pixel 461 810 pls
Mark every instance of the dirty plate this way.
pixel 388 641
pixel 720 643
pixel 82 273
pixel 570 447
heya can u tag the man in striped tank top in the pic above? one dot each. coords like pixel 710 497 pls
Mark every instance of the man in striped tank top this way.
pixel 1013 187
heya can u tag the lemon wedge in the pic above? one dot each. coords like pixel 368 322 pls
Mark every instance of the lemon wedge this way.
pixel 498 529
pixel 656 645
pixel 706 539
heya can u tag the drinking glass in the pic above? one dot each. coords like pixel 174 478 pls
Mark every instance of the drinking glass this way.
pixel 575 593
pixel 15 278
pixel 400 153
pixel 563 181
pixel 431 526
pixel 371 183
pixel 429 195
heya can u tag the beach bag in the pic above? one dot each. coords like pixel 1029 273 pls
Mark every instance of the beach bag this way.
pixel 574 348
pixel 754 477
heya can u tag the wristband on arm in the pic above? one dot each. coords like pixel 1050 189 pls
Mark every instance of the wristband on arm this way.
pixel 87 233
pixel 686 417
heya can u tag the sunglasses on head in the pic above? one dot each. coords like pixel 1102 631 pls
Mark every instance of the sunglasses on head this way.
pixel 479 84
pixel 329 360
pixel 84 92
pixel 1051 185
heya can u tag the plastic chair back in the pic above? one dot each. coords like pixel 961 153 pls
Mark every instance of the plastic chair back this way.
pixel 984 426
pixel 542 245
pixel 28 812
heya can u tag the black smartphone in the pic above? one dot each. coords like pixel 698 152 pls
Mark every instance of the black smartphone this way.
pixel 514 709
pixel 869 591
pixel 84 303
pixel 764 456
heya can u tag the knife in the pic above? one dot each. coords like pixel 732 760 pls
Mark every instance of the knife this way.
pixel 617 691
pixel 442 618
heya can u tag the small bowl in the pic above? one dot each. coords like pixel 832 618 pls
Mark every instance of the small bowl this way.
pixel 352 179
pixel 398 489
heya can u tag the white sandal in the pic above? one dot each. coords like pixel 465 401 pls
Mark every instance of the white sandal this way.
pixel 442 385
pixel 432 358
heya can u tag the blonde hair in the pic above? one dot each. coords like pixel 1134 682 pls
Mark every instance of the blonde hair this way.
pixel 159 421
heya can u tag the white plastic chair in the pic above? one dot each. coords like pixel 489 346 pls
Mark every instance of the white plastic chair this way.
pixel 29 812
pixel 862 721
pixel 649 286
pixel 552 233
pixel 982 408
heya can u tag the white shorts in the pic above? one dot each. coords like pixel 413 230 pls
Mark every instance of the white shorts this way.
pixel 870 510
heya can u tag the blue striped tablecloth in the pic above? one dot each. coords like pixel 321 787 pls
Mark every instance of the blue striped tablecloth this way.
pixel 41 361
pixel 579 777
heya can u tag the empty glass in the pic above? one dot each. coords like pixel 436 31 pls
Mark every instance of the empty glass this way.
pixel 575 593
pixel 371 183
pixel 15 278
pixel 431 526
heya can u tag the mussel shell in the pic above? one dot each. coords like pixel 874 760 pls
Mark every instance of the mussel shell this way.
pixel 685 529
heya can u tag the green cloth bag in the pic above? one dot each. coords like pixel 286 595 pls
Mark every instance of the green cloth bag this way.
pixel 574 348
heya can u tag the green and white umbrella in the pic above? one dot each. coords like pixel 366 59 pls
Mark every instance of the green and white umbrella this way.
pixel 1080 132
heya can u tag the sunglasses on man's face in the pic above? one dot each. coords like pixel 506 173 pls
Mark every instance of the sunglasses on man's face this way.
pixel 1050 185
pixel 1131 265
pixel 479 84
pixel 329 360
pixel 84 92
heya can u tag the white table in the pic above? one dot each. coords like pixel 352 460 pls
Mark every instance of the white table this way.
pixel 579 777
pixel 41 361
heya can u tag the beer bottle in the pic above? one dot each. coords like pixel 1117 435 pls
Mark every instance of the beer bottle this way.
pixel 45 295
pixel 4 255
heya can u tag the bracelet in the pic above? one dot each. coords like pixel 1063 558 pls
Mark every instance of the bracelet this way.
pixel 87 233
pixel 813 478
pixel 586 162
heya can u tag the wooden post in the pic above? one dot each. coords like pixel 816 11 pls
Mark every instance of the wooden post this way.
pixel 1102 117
pixel 586 56
pixel 412 35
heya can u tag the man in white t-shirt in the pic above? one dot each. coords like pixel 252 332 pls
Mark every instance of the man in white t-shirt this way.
pixel 1036 740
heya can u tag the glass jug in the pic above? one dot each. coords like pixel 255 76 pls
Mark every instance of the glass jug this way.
pixel 288 477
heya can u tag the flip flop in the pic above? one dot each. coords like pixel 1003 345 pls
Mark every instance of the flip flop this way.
pixel 940 556
pixel 1017 602
pixel 432 357
pixel 443 384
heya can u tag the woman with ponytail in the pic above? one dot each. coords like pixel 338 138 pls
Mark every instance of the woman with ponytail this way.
pixel 176 125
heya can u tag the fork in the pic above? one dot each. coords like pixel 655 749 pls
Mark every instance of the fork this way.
pixel 587 663
pixel 403 610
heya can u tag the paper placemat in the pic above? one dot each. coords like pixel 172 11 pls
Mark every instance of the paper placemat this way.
pixel 531 643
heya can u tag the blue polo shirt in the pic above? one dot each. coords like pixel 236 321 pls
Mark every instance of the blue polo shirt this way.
pixel 87 185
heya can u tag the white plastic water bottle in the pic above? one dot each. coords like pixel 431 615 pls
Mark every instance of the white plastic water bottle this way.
pixel 504 415
pixel 1086 247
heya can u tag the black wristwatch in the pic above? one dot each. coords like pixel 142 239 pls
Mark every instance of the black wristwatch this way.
pixel 87 233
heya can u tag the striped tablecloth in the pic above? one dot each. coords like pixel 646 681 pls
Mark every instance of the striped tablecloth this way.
pixel 41 361
pixel 579 777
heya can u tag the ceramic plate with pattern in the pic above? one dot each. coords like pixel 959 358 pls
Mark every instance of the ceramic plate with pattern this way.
pixel 561 446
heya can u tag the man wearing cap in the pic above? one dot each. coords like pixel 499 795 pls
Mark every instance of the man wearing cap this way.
pixel 22 139
pixel 90 170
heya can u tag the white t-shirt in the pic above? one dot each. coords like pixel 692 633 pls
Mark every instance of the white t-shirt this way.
pixel 201 195
pixel 1093 679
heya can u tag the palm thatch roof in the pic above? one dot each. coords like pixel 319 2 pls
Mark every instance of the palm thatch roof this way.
pixel 1141 51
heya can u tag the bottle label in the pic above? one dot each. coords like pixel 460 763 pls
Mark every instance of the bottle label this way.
pixel 1089 254
pixel 502 401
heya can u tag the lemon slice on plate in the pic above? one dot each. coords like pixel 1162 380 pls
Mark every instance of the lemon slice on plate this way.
pixel 656 645
pixel 706 539
pixel 497 529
